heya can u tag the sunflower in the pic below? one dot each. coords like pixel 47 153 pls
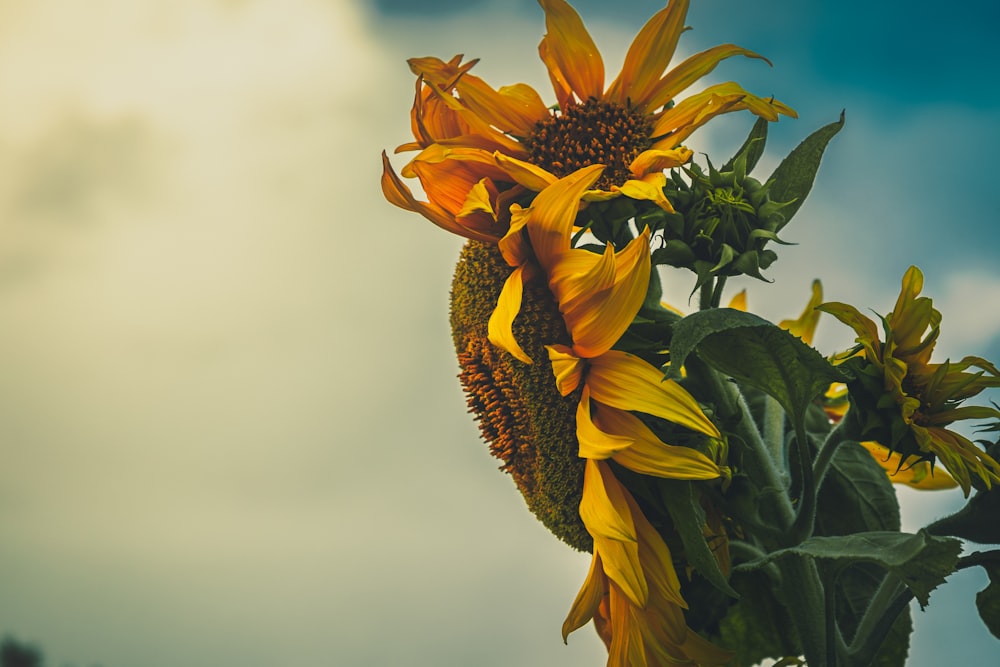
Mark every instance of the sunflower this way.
pixel 480 147
pixel 906 401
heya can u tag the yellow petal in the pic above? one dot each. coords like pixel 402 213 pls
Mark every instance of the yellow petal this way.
pixel 692 69
pixel 554 211
pixel 659 160
pixel 650 188
pixel 529 175
pixel 566 366
pixel 500 327
pixel 863 326
pixel 739 301
pixel 655 558
pixel 624 381
pixel 805 326
pixel 572 50
pixel 513 246
pixel 595 443
pixel 588 599
pixel 597 322
pixel 480 199
pixel 647 454
pixel 605 512
pixel 649 55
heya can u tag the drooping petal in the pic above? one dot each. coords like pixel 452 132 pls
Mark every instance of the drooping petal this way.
pixel 805 326
pixel 588 600
pixel 572 50
pixel 501 322
pixel 595 443
pixel 605 512
pixel 514 246
pixel 694 68
pixel 655 558
pixel 649 55
pixel 866 329
pixel 625 381
pixel 397 193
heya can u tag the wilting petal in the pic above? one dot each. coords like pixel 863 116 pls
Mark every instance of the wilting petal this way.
pixel 572 50
pixel 693 69
pixel 480 199
pixel 588 599
pixel 566 366
pixel 513 246
pixel 649 55
pixel 397 193
pixel 554 211
pixel 805 326
pixel 501 322
pixel 659 160
pixel 624 381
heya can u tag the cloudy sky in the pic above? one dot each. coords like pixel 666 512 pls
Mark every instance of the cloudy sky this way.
pixel 230 425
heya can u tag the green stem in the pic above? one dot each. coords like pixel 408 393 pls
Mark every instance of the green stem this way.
pixel 774 434
pixel 804 596
pixel 705 296
pixel 720 285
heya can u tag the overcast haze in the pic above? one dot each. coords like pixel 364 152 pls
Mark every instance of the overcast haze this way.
pixel 229 418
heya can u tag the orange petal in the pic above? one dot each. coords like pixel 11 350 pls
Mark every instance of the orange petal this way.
pixel 588 599
pixel 572 51
pixel 649 55
pixel 529 175
pixel 692 69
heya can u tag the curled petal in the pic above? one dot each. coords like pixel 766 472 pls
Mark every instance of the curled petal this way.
pixel 914 473
pixel 501 322
pixel 866 329
pixel 567 367
pixel 397 193
pixel 594 443
pixel 554 211
pixel 658 160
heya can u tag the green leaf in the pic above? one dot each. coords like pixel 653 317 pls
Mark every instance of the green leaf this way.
pixel 794 177
pixel 988 601
pixel 752 149
pixel 758 626
pixel 977 521
pixel 755 353
pixel 921 560
pixel 689 518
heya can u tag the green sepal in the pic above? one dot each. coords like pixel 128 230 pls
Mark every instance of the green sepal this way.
pixel 988 600
pixel 688 518
pixel 794 177
pixel 920 560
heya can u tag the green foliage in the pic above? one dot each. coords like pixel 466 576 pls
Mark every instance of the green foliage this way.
pixel 921 560
pixel 793 178
pixel 688 517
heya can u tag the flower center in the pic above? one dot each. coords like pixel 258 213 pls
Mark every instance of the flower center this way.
pixel 595 132
pixel 527 423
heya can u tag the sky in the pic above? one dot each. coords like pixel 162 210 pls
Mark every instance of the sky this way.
pixel 230 424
